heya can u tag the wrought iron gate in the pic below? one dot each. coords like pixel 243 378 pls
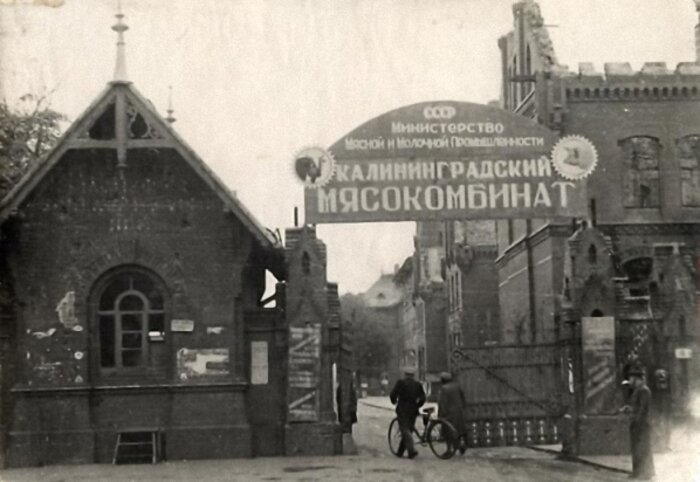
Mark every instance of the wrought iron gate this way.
pixel 513 393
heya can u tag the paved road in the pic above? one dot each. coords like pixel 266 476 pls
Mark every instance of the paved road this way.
pixel 374 462
pixel 514 464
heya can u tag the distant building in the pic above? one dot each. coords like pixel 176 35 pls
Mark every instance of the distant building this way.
pixel 424 315
pixel 384 301
pixel 471 283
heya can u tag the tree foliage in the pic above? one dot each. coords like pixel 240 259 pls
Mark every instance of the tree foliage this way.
pixel 27 132
pixel 371 341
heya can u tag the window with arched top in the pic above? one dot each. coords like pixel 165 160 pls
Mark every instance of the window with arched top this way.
pixel 640 156
pixel 305 263
pixel 592 254
pixel 130 319
pixel 688 154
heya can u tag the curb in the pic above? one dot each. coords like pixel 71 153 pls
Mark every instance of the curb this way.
pixel 572 458
pixel 374 405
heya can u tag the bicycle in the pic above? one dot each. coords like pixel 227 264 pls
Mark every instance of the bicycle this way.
pixel 435 433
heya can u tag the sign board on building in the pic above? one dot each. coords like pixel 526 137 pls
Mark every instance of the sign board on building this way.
pixel 182 325
pixel 684 353
pixel 259 368
pixel 304 373
pixel 446 160
pixel 599 366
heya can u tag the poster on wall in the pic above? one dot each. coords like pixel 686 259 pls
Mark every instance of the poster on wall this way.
pixel 259 367
pixel 197 363
pixel 304 373
pixel 598 342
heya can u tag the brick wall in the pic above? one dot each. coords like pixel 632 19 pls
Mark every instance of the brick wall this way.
pixel 606 123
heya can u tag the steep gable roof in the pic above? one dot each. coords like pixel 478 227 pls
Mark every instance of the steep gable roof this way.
pixel 127 106
pixel 383 293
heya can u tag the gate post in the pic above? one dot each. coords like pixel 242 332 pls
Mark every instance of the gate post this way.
pixel 588 309
pixel 314 340
pixel 570 356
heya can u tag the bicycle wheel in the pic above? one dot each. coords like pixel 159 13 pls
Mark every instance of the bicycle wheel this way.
pixel 439 436
pixel 394 436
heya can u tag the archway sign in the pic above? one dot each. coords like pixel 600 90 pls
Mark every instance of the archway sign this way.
pixel 446 160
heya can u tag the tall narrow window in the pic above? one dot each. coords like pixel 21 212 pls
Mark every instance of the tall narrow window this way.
pixel 528 86
pixel 641 171
pixel 688 154
pixel 514 85
pixel 592 254
pixel 130 316
pixel 305 263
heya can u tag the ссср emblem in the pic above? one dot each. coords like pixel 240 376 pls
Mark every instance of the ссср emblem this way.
pixel 574 157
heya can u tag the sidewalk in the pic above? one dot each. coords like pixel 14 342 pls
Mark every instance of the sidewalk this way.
pixel 681 464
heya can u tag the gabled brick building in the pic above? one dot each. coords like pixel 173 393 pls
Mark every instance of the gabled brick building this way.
pixel 131 268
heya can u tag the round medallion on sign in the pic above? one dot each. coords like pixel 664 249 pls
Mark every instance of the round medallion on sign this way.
pixel 314 166
pixel 574 157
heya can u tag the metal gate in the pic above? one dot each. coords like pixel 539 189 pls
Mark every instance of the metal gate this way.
pixel 512 392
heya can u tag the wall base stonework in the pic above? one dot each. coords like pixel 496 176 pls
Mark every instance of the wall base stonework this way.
pixel 233 441
pixel 314 439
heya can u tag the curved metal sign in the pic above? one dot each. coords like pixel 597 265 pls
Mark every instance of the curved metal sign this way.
pixel 447 160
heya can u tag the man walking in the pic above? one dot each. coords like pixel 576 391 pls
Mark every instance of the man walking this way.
pixel 640 426
pixel 408 396
pixel 451 407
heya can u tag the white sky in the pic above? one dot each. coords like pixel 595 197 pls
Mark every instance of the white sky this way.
pixel 254 81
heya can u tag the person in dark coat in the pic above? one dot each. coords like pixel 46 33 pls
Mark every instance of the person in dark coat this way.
pixel 347 406
pixel 451 407
pixel 408 396
pixel 640 426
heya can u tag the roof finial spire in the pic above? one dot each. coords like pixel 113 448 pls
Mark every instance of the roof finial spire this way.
pixel 120 27
pixel 170 110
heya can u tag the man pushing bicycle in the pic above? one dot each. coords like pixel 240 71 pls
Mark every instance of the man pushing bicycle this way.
pixel 408 396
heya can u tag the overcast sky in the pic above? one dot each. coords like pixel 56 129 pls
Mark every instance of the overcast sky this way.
pixel 255 81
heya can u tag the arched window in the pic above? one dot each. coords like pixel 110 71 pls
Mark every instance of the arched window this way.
pixel 688 153
pixel 592 254
pixel 305 263
pixel 641 174
pixel 130 318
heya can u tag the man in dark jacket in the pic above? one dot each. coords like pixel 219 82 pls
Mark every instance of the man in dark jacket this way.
pixel 408 395
pixel 451 407
pixel 640 426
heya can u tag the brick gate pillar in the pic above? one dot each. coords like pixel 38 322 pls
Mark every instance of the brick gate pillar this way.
pixel 312 428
